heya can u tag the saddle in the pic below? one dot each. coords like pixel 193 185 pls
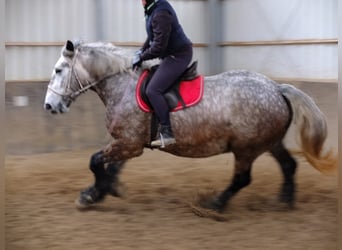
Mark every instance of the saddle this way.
pixel 185 92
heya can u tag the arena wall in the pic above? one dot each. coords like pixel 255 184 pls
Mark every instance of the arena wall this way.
pixel 294 40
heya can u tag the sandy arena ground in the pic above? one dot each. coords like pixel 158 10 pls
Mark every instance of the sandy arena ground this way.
pixel 156 212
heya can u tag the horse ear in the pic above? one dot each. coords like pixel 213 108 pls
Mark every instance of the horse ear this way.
pixel 69 46
pixel 69 49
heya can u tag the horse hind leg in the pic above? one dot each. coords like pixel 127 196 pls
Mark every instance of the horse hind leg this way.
pixel 241 179
pixel 106 181
pixel 288 166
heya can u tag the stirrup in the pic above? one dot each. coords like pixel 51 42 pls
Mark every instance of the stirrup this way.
pixel 161 142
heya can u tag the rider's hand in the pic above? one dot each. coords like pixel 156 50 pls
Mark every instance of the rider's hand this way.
pixel 136 63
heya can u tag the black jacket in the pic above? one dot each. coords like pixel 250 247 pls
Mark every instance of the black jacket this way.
pixel 165 35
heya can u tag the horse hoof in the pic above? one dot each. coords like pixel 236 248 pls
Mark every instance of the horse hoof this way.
pixel 88 197
pixel 84 201
pixel 213 204
pixel 81 204
pixel 288 200
pixel 217 206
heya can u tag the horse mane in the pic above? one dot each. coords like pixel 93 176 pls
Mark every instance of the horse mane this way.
pixel 104 58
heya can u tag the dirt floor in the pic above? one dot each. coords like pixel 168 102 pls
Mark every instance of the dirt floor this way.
pixel 157 211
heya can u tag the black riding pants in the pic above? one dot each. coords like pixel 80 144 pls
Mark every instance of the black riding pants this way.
pixel 170 68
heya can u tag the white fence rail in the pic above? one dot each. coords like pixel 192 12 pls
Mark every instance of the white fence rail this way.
pixel 242 32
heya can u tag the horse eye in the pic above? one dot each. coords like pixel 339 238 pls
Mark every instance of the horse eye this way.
pixel 58 71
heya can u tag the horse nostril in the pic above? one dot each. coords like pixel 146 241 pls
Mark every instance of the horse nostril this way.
pixel 48 106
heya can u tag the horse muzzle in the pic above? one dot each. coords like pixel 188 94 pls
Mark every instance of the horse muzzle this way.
pixel 61 108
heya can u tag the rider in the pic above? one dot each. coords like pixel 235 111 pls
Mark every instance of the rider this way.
pixel 165 40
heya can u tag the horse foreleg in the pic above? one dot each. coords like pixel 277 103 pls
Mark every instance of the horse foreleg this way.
pixel 288 166
pixel 241 178
pixel 106 181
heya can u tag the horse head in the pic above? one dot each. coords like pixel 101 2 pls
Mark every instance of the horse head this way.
pixel 79 68
pixel 61 86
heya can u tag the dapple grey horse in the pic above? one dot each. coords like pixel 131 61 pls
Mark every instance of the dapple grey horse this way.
pixel 241 112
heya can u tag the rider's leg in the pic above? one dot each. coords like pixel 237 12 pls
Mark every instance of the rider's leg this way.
pixel 167 73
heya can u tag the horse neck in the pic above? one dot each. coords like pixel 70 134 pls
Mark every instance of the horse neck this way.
pixel 114 88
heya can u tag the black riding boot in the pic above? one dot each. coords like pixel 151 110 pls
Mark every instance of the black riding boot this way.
pixel 164 138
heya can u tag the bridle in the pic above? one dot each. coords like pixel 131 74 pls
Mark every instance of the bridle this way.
pixel 82 87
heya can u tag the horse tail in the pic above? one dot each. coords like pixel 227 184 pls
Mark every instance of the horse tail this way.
pixel 311 128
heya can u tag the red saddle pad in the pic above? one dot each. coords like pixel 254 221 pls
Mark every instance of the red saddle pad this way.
pixel 191 92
